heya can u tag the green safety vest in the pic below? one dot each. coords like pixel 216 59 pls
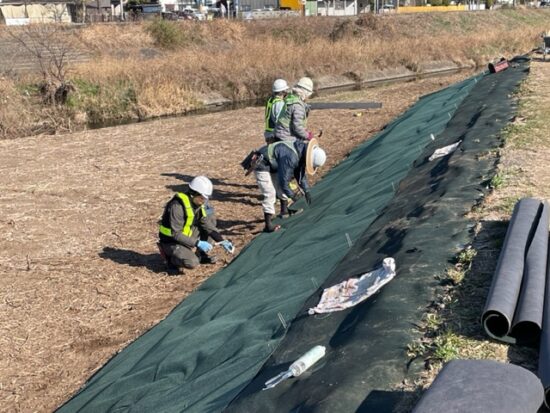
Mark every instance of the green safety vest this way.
pixel 284 119
pixel 189 217
pixel 271 149
pixel 269 124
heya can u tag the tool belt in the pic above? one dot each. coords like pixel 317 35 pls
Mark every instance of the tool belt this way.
pixel 251 162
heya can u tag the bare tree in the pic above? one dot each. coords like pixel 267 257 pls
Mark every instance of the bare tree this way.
pixel 47 46
pixel 55 11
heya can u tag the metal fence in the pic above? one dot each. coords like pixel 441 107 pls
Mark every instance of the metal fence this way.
pixel 250 5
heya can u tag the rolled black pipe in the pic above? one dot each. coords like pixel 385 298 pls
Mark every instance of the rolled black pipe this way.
pixel 528 318
pixel 544 350
pixel 482 386
pixel 505 289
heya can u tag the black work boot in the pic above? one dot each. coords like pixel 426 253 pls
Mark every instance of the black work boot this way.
pixel 208 259
pixel 293 211
pixel 285 210
pixel 171 269
pixel 269 227
pixel 204 258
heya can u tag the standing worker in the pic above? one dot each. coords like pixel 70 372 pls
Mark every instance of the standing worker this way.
pixel 185 224
pixel 292 123
pixel 268 183
pixel 274 107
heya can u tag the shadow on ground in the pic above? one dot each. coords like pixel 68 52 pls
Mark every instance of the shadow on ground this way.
pixel 217 182
pixel 153 262
pixel 237 227
pixel 383 401
pixel 243 198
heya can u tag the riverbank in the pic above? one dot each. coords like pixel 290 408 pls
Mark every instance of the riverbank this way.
pixel 146 70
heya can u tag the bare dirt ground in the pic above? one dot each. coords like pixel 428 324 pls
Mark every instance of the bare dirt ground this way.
pixel 80 276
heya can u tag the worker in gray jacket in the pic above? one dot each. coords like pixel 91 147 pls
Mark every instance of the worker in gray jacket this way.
pixel 292 123
pixel 186 225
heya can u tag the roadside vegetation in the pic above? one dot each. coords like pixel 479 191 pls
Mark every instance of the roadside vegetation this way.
pixel 150 69
pixel 451 328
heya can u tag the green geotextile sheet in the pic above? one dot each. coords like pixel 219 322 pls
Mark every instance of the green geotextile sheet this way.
pixel 216 340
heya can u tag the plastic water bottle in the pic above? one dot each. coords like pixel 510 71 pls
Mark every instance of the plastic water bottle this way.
pixel 298 367
pixel 307 360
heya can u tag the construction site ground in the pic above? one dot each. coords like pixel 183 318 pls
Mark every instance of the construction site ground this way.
pixel 80 273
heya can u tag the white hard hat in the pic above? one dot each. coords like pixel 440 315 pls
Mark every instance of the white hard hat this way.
pixel 202 185
pixel 279 85
pixel 305 83
pixel 315 157
pixel 319 157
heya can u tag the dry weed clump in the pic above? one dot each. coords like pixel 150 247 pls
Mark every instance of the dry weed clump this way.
pixel 295 30
pixel 20 116
pixel 15 117
pixel 115 38
pixel 131 77
pixel 224 30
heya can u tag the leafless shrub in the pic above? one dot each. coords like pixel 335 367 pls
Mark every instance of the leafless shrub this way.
pixel 15 115
pixel 48 46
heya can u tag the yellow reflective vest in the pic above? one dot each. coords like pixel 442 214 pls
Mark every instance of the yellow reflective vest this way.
pixel 187 230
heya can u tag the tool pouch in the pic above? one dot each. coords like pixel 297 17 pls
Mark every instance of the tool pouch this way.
pixel 247 162
pixel 251 161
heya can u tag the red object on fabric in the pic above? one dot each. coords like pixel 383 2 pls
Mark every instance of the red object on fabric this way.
pixel 498 67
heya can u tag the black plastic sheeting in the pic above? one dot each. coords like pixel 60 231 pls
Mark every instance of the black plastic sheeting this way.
pixel 514 308
pixel 544 350
pixel 423 227
pixel 482 386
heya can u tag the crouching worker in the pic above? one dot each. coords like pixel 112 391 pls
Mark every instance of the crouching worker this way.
pixel 275 166
pixel 292 160
pixel 187 230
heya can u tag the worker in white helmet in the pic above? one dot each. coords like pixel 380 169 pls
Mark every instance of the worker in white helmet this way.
pixel 287 161
pixel 294 160
pixel 186 228
pixel 292 123
pixel 274 107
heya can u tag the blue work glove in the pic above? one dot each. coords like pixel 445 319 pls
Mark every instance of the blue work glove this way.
pixel 204 246
pixel 228 246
